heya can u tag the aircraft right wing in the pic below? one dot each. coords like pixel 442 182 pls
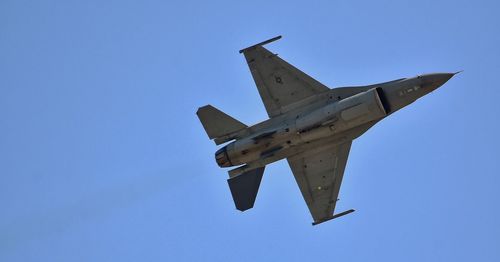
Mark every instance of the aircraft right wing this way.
pixel 319 175
pixel 279 83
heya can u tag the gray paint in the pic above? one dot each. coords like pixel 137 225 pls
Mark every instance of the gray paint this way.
pixel 310 125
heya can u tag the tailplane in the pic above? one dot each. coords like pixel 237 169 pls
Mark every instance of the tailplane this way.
pixel 218 125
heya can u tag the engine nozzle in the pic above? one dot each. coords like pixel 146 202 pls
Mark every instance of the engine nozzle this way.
pixel 222 158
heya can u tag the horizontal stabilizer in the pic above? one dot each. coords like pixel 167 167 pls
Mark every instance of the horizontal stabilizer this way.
pixel 244 188
pixel 217 124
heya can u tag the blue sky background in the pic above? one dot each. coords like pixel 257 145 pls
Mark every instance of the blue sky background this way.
pixel 102 157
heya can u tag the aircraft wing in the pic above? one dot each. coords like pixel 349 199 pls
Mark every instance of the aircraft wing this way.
pixel 279 83
pixel 319 175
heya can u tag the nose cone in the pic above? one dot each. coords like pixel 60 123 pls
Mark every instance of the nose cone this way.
pixel 433 81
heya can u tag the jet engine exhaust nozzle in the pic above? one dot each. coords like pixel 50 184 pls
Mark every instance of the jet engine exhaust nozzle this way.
pixel 221 158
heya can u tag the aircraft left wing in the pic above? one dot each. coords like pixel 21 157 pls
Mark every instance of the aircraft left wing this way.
pixel 319 175
pixel 280 84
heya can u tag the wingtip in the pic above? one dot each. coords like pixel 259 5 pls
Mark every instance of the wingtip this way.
pixel 333 217
pixel 261 43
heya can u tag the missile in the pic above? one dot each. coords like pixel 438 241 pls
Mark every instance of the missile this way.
pixel 333 217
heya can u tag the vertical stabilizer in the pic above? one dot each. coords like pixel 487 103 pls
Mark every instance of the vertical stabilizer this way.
pixel 244 188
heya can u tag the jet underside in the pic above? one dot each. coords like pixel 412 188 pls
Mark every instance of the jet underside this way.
pixel 310 125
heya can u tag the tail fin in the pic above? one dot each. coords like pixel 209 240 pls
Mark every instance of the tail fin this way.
pixel 217 124
pixel 244 188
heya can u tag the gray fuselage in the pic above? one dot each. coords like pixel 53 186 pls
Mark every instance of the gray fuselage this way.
pixel 338 115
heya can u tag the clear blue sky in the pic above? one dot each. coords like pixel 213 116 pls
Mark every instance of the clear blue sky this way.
pixel 102 157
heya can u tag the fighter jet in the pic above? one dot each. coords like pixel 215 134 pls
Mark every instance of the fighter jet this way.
pixel 309 125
